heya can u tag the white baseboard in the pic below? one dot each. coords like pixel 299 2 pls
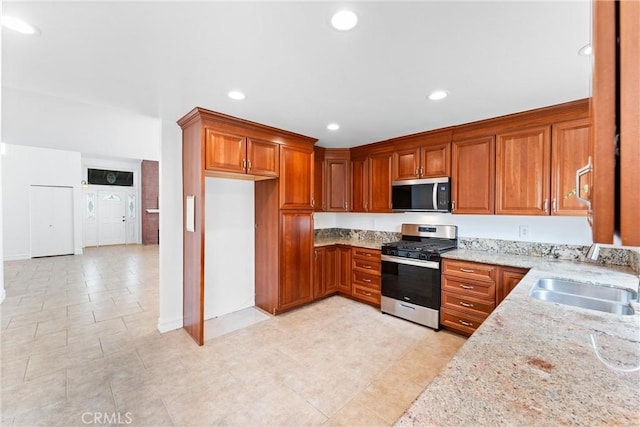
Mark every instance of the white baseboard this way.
pixel 3 295
pixel 17 257
pixel 169 325
pixel 212 315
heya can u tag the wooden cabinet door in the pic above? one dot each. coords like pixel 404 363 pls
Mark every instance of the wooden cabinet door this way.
pixel 380 182
pixel 319 271
pixel 406 164
pixel 337 185
pixel 509 277
pixel 296 258
pixel 344 269
pixel 569 152
pixel 296 177
pixel 436 160
pixel 331 270
pixel 360 185
pixel 262 157
pixel 473 176
pixel 523 162
pixel 318 180
pixel 224 152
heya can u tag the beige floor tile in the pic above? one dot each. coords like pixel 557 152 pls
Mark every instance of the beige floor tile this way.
pixel 42 344
pixel 145 411
pixel 45 363
pixel 42 391
pixel 334 358
pixel 388 401
pixel 357 415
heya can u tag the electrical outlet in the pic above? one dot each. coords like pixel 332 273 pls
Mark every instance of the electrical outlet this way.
pixel 524 232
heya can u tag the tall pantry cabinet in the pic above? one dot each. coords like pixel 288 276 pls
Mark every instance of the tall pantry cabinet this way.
pixel 281 164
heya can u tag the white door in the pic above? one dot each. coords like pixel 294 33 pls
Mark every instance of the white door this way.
pixel 51 221
pixel 111 217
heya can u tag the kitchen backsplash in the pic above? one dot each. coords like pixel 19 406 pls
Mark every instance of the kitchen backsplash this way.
pixel 376 236
pixel 611 256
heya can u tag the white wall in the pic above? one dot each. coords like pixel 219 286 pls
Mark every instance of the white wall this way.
pixel 170 204
pixel 23 167
pixel 44 121
pixel 229 246
pixel 567 230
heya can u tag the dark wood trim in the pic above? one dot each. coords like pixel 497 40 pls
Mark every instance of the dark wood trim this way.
pixel 267 237
pixel 193 254
pixel 630 122
pixel 220 121
pixel 603 111
pixel 531 118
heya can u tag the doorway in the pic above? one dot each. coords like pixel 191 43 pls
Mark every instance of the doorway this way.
pixel 51 221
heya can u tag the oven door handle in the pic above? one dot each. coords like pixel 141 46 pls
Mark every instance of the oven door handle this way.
pixel 406 261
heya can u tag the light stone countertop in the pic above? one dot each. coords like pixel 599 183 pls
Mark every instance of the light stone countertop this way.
pixel 533 363
pixel 360 243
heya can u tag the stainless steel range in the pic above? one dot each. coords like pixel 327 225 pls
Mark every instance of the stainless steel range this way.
pixel 411 272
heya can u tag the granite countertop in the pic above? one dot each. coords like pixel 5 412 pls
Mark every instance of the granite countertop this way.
pixel 533 362
pixel 357 242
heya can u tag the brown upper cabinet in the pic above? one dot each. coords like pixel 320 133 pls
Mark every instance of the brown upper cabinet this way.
pixel 569 152
pixel 371 178
pixel 473 176
pixel 338 180
pixel 536 169
pixel 234 153
pixel 296 177
pixel 523 165
pixel 431 158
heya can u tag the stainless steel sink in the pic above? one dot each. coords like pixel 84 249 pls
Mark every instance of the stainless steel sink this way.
pixel 587 290
pixel 602 298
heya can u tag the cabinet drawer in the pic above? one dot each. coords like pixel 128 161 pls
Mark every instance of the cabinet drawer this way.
pixel 365 279
pixel 365 293
pixel 469 270
pixel 474 306
pixel 365 253
pixel 369 266
pixel 462 322
pixel 470 288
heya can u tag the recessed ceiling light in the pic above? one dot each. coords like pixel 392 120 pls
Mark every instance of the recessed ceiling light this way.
pixel 438 94
pixel 333 126
pixel 17 24
pixel 237 95
pixel 344 20
pixel 585 50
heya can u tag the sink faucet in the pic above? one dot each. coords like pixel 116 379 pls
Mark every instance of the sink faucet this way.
pixel 593 252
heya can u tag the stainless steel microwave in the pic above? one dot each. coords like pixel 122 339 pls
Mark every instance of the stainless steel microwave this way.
pixel 421 195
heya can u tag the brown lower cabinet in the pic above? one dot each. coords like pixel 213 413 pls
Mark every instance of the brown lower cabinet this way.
pixel 471 291
pixel 350 271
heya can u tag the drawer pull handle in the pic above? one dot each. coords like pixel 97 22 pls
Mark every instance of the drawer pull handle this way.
pixel 364 279
pixel 465 323
pixel 466 286
pixel 465 304
pixel 367 293
pixel 366 266
pixel 367 254
pixel 466 270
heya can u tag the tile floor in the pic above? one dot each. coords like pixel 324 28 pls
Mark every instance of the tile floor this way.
pixel 80 347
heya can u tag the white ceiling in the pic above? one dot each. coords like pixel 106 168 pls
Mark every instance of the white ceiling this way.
pixel 161 59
